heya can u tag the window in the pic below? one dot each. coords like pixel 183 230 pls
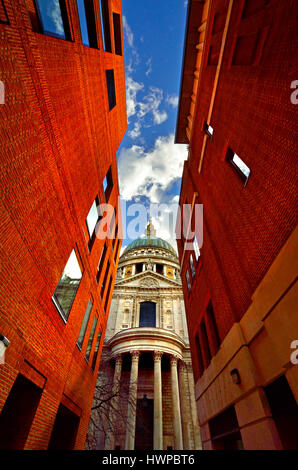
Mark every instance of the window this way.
pixel 108 184
pixel 196 248
pixel 53 18
pixel 101 263
pixel 208 130
pixel 67 287
pixel 187 276
pixel 111 88
pixel 104 282
pixel 105 21
pixel 3 13
pixel 84 325
pixel 199 355
pixel 213 325
pixel 147 314
pixel 159 268
pixel 239 166
pixel 96 350
pixel 87 23
pixel 117 33
pixel 192 267
pixel 108 293
pixel 205 345
pixel 139 268
pixel 93 218
pixel 90 341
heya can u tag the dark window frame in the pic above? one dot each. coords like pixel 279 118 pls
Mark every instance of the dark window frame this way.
pixel 117 33
pixel 7 22
pixel 84 327
pixel 105 25
pixel 90 23
pixel 92 236
pixel 111 89
pixel 110 184
pixel 65 21
pixel 101 262
pixel 65 315
pixel 230 153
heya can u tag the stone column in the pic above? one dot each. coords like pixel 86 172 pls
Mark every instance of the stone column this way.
pixel 157 430
pixel 176 405
pixel 132 402
pixel 114 405
pixel 185 404
pixel 194 412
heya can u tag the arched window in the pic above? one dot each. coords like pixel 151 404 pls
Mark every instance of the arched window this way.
pixel 147 314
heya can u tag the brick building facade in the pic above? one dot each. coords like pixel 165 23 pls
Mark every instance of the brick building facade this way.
pixel 237 116
pixel 62 71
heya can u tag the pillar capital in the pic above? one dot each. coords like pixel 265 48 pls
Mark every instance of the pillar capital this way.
pixel 174 360
pixel 134 355
pixel 157 355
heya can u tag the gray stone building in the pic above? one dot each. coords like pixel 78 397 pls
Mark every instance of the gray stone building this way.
pixel 145 392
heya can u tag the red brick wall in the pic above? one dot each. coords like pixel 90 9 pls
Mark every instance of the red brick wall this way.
pixel 58 139
pixel 244 227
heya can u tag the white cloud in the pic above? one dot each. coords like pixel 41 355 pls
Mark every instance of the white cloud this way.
pixel 149 65
pixel 54 13
pixel 172 100
pixel 136 131
pixel 151 173
pixel 128 32
pixel 150 104
pixel 132 88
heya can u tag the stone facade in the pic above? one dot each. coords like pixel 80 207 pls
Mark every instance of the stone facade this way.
pixel 155 360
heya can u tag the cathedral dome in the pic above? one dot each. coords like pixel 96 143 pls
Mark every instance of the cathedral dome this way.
pixel 149 242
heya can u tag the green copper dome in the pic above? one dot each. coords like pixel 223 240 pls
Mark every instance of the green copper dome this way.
pixel 149 242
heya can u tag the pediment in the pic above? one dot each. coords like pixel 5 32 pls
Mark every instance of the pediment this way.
pixel 148 279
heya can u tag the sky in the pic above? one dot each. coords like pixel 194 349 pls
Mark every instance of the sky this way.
pixel 149 163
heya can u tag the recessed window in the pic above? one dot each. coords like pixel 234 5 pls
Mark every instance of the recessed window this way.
pixel 187 276
pixel 101 263
pixel 192 267
pixel 196 248
pixel 147 314
pixel 208 130
pixel 90 341
pixel 84 325
pixel 213 325
pixel 67 287
pixel 104 282
pixel 3 13
pixel 108 184
pixel 111 88
pixel 87 23
pixel 96 350
pixel 117 33
pixel 240 167
pixel 53 18
pixel 108 293
pixel 93 218
pixel 105 21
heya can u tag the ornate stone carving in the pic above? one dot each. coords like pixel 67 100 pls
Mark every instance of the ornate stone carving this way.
pixel 174 360
pixel 134 355
pixel 157 355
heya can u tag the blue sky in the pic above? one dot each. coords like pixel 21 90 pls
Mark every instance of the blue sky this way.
pixel 150 164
